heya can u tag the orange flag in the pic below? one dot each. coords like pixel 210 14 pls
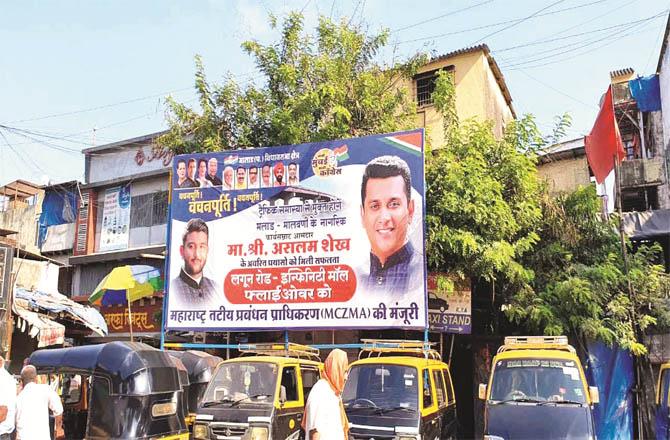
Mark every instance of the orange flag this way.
pixel 604 141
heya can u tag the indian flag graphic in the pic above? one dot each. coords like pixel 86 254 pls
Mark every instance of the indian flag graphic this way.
pixel 341 153
pixel 230 160
pixel 409 142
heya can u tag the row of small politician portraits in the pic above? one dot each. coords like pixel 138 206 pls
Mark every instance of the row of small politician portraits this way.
pixel 204 173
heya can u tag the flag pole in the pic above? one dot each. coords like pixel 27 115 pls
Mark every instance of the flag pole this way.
pixel 640 412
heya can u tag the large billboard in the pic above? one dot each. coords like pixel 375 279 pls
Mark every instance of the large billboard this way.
pixel 320 235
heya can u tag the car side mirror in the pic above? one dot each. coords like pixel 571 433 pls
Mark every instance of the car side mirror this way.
pixel 282 394
pixel 594 394
pixel 482 391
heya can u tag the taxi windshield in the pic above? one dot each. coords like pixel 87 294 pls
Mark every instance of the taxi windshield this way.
pixel 381 386
pixel 541 380
pixel 241 382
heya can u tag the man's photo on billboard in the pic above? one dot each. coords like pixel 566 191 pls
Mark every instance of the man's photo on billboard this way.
pixel 387 211
pixel 191 288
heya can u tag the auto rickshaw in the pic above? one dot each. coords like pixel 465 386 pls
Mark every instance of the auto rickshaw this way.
pixel 200 367
pixel 184 384
pixel 120 390
pixel 538 380
pixel 400 390
pixel 663 403
pixel 260 395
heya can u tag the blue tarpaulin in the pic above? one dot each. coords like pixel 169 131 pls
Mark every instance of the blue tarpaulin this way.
pixel 58 207
pixel 611 370
pixel 647 92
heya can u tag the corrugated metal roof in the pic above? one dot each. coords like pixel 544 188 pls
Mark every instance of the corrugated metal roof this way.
pixel 561 150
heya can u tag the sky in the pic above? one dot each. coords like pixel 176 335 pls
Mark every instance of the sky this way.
pixel 76 74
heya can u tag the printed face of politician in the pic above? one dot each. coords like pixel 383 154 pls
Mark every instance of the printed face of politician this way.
pixel 181 171
pixel 194 252
pixel 253 175
pixel 228 176
pixel 266 175
pixel 212 167
pixel 386 214
pixel 241 176
pixel 191 169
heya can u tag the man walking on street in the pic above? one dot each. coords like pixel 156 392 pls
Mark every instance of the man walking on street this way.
pixel 7 402
pixel 325 418
pixel 32 408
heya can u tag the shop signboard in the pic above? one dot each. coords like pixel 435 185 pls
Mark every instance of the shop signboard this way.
pixel 320 235
pixel 115 230
pixel 144 318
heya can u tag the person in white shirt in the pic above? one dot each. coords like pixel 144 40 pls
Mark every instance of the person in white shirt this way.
pixel 32 408
pixel 325 418
pixel 7 402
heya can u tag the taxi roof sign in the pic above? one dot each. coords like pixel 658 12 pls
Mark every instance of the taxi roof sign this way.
pixel 535 343
pixel 399 347
pixel 278 349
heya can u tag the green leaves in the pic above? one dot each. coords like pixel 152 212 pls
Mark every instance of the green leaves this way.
pixel 315 87
pixel 580 285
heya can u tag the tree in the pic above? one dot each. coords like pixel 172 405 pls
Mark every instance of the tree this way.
pixel 580 285
pixel 482 197
pixel 326 86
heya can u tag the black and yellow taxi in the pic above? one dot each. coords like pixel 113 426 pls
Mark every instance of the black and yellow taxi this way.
pixel 399 390
pixel 537 389
pixel 663 403
pixel 259 396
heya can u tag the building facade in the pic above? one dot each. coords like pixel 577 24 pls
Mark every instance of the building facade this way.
pixel 122 220
pixel 480 88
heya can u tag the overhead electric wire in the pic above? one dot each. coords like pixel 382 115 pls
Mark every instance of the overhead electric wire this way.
pixel 609 41
pixel 490 25
pixel 567 37
pixel 23 159
pixel 443 16
pixel 100 107
pixel 591 106
pixel 519 22
pixel 559 50
pixel 115 104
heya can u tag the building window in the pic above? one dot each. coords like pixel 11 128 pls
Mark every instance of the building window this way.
pixel 425 86
pixel 149 209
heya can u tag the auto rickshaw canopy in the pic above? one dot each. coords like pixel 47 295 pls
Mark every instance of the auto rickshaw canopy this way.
pixel 133 368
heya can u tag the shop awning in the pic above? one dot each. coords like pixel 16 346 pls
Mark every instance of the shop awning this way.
pixel 52 303
pixel 40 327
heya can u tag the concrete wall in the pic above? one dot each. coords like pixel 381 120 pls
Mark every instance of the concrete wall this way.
pixel 478 96
pixel 23 218
pixel 565 175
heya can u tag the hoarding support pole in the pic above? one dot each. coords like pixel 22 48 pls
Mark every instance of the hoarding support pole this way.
pixel 286 339
pixel 130 320
pixel 166 267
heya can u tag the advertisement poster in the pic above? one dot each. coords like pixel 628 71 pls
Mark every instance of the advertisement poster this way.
pixel 320 235
pixel 115 219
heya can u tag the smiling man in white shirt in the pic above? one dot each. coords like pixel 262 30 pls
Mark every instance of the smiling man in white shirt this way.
pixel 32 408
pixel 7 402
